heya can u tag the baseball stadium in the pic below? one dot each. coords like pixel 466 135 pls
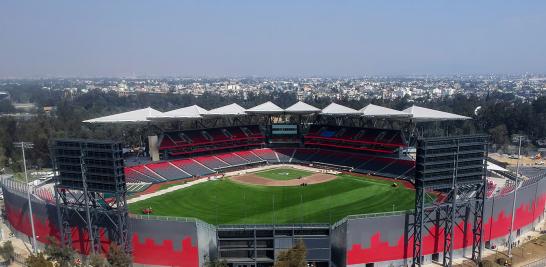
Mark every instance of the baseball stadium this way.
pixel 360 188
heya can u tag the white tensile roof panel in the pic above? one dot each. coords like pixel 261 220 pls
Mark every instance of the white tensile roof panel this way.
pixel 337 109
pixel 265 108
pixel 494 167
pixel 191 112
pixel 301 108
pixel 427 114
pixel 375 111
pixel 227 110
pixel 135 116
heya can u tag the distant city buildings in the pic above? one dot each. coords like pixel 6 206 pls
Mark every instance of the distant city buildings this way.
pixel 525 87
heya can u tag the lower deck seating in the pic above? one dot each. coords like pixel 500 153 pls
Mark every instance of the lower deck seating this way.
pixel 168 171
pixel 285 155
pixel 248 155
pixel 211 162
pixel 490 188
pixel 192 167
pixel 233 159
pixel 132 176
pixel 303 155
pixel 320 156
pixel 206 165
pixel 267 154
pixel 137 187
pixel 140 171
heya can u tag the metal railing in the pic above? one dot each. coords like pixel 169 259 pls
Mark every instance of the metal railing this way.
pixel 163 218
pixel 267 226
pixel 371 215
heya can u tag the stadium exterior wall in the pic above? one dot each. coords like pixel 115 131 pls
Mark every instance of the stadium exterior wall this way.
pixel 387 241
pixel 155 242
pixel 384 240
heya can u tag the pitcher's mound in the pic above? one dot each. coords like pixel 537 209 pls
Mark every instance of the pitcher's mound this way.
pixel 254 179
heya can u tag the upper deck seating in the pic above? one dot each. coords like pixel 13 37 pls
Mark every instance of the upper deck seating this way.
pixel 219 134
pixel 197 136
pixel 252 131
pixel 205 140
pixel 237 133
pixel 367 139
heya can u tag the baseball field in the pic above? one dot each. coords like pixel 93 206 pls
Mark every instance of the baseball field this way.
pixel 229 201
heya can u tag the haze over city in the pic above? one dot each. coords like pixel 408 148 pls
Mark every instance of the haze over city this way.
pixel 241 133
pixel 278 38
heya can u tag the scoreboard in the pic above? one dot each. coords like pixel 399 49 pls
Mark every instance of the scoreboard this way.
pixel 284 129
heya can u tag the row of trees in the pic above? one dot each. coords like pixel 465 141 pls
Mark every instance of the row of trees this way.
pixel 56 255
pixel 501 115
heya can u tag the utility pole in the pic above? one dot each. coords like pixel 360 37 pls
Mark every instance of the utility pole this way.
pixel 23 146
pixel 510 241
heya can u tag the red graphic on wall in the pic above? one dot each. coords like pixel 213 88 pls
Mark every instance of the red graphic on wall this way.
pixel 149 252
pixel 144 253
pixel 433 240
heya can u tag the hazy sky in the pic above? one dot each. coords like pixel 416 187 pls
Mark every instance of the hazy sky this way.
pixel 273 38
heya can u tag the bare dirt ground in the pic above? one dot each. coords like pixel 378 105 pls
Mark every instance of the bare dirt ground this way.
pixel 524 160
pixel 254 179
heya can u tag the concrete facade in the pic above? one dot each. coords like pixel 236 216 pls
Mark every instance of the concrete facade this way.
pixel 384 240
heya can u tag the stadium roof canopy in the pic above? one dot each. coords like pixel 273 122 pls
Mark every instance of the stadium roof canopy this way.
pixel 191 112
pixel 227 110
pixel 375 111
pixel 420 114
pixel 494 167
pixel 338 110
pixel 265 108
pixel 301 108
pixel 135 116
pixel 414 113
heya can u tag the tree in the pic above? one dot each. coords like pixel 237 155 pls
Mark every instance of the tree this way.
pixel 38 260
pixel 7 252
pixel 294 257
pixel 499 134
pixel 64 256
pixel 487 263
pixel 97 260
pixel 117 257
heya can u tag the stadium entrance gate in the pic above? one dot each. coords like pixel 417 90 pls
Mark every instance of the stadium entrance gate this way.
pixel 259 245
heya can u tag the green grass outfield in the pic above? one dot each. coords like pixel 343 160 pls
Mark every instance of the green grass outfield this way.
pixel 226 202
pixel 283 173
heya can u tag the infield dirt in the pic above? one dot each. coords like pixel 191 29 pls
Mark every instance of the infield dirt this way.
pixel 254 179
